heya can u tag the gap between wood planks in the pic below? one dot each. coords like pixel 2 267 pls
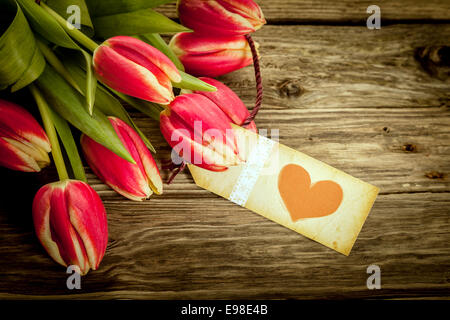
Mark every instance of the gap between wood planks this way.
pixel 353 23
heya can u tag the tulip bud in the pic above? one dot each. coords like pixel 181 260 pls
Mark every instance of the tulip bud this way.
pixel 134 181
pixel 135 68
pixel 70 222
pixel 228 102
pixel 221 17
pixel 211 56
pixel 205 131
pixel 24 146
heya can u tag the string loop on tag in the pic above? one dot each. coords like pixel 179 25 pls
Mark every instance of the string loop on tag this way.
pixel 258 79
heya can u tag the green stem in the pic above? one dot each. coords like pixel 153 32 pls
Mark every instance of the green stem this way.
pixel 150 109
pixel 76 34
pixel 51 132
pixel 51 58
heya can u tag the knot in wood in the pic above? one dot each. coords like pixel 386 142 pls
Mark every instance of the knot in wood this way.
pixel 290 88
pixel 434 175
pixel 435 60
pixel 409 147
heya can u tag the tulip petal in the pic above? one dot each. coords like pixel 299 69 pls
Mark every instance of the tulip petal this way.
pixel 248 9
pixel 212 57
pixel 128 77
pixel 146 63
pixel 62 232
pixel 16 159
pixel 142 156
pixel 39 155
pixel 129 181
pixel 16 121
pixel 41 219
pixel 193 43
pixel 222 17
pixel 213 126
pixel 144 54
pixel 227 101
pixel 180 137
pixel 88 217
pixel 216 65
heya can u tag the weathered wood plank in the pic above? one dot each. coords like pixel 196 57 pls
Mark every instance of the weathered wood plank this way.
pixel 345 11
pixel 214 249
pixel 345 67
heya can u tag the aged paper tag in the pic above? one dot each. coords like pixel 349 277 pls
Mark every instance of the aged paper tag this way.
pixel 294 190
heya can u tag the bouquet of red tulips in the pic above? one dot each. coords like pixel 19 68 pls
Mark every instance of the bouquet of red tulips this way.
pixel 80 60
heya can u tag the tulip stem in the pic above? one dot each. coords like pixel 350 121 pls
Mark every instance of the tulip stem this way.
pixel 259 87
pixel 53 60
pixel 51 132
pixel 76 34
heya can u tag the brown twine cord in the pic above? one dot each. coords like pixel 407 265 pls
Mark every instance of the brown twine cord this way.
pixel 175 172
pixel 176 169
pixel 258 79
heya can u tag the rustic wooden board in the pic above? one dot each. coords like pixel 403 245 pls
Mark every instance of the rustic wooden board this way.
pixel 345 11
pixel 356 99
pixel 205 247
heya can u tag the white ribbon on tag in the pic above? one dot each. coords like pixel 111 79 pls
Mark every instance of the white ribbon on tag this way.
pixel 251 171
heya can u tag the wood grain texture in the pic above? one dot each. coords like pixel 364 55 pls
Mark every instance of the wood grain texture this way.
pixel 345 11
pixel 205 247
pixel 355 99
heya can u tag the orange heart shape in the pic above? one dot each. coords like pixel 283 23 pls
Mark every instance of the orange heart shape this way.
pixel 303 200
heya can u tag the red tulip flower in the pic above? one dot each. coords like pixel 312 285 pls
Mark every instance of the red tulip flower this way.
pixel 221 17
pixel 228 102
pixel 211 56
pixel 70 222
pixel 24 146
pixel 135 68
pixel 135 181
pixel 198 128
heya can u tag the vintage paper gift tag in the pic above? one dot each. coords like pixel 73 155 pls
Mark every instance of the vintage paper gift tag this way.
pixel 294 190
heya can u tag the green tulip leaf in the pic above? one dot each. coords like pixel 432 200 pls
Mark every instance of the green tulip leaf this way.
pixel 64 9
pixel 44 24
pixel 71 105
pixel 158 42
pixel 54 61
pixel 65 134
pixel 135 23
pixel 91 82
pixel 193 83
pixel 34 70
pixel 99 8
pixel 21 62
pixel 148 108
